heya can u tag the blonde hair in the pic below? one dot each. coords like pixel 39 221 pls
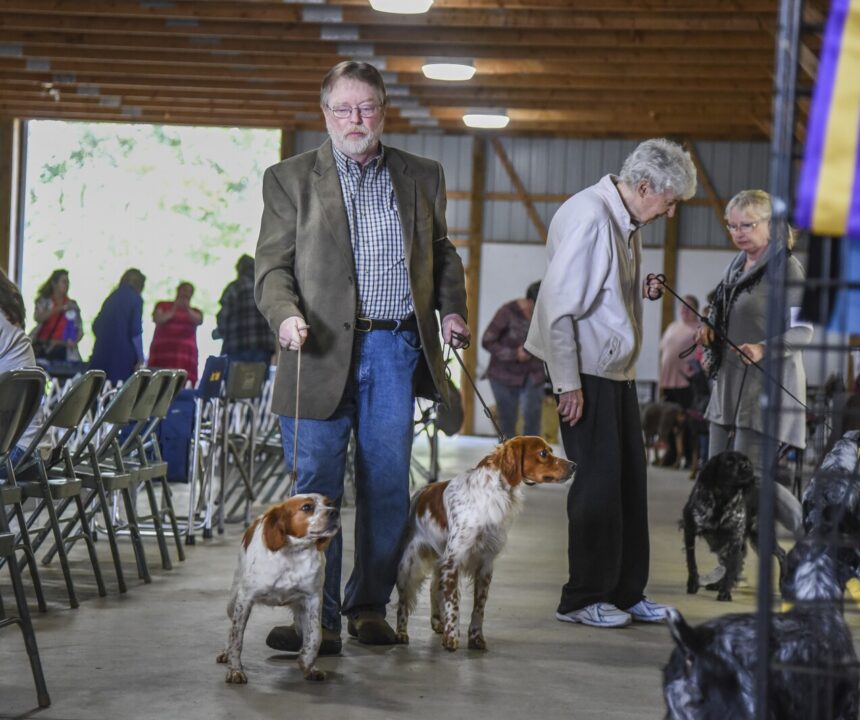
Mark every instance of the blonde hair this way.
pixel 761 201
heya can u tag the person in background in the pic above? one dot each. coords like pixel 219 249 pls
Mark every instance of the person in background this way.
pixel 118 329
pixel 59 326
pixel 587 327
pixel 353 264
pixel 516 376
pixel 675 371
pixel 174 343
pixel 16 351
pixel 245 333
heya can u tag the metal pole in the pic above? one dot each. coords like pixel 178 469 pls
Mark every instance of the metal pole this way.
pixel 785 79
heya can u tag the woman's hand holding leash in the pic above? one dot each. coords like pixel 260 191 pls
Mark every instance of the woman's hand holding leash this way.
pixel 750 353
pixel 652 288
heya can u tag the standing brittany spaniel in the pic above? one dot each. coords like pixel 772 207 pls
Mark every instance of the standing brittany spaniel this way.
pixel 282 562
pixel 460 526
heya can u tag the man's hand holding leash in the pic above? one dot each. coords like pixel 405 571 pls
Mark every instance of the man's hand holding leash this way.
pixel 293 332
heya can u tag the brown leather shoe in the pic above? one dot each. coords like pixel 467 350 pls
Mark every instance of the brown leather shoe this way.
pixel 287 639
pixel 371 629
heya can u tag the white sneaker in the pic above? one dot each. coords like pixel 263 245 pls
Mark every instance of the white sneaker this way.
pixel 649 611
pixel 597 615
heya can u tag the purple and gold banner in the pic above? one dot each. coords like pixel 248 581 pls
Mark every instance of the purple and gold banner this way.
pixel 828 194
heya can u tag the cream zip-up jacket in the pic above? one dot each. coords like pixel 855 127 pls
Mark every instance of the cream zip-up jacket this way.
pixel 588 314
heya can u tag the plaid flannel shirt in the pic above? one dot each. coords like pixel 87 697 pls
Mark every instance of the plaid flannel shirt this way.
pixel 376 237
pixel 241 325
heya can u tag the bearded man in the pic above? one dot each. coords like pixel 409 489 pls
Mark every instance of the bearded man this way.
pixel 353 264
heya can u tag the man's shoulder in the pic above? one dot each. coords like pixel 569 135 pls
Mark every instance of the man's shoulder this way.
pixel 291 164
pixel 412 161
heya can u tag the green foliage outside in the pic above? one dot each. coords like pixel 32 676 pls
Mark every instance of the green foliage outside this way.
pixel 180 203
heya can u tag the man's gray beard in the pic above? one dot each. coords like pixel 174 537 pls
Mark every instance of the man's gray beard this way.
pixel 354 147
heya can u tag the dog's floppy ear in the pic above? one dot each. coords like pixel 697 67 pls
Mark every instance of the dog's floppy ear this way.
pixel 277 523
pixel 707 475
pixel 511 463
pixel 683 635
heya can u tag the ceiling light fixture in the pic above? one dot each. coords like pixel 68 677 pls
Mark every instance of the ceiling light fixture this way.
pixel 450 69
pixel 403 7
pixel 487 119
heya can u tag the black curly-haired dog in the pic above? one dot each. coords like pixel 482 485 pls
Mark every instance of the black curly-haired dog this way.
pixel 711 672
pixel 722 509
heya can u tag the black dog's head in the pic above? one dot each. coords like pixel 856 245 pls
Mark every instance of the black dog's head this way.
pixel 698 684
pixel 729 470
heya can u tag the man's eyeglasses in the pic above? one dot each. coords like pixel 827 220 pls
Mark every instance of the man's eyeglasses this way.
pixel 342 112
pixel 746 227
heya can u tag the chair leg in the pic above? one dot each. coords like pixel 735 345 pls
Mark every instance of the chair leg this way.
pixel 26 625
pixel 91 546
pixel 167 509
pixel 159 529
pixel 27 547
pixel 136 539
pixel 61 548
pixel 111 533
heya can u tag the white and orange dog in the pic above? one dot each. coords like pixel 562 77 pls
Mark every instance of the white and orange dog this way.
pixel 282 562
pixel 460 526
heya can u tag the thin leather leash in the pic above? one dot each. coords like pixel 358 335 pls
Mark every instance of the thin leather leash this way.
pixel 294 475
pixel 721 336
pixel 464 343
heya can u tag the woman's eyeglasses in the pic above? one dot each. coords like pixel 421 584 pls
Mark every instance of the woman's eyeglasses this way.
pixel 746 227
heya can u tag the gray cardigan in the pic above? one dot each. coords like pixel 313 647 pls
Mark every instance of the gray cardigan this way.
pixel 747 323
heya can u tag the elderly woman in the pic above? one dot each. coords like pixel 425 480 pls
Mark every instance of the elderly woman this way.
pixel 740 310
pixel 587 328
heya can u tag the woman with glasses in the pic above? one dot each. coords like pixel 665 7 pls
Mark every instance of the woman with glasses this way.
pixel 740 311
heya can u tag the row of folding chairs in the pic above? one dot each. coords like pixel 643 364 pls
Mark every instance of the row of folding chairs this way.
pixel 58 493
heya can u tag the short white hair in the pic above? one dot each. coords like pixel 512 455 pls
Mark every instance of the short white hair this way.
pixel 665 165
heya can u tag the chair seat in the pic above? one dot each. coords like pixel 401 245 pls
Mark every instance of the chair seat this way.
pixel 9 495
pixel 111 480
pixel 60 488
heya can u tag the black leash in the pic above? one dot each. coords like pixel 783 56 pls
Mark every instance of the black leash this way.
pixel 721 336
pixel 464 343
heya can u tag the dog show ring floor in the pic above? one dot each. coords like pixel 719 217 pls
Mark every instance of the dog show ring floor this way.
pixel 150 654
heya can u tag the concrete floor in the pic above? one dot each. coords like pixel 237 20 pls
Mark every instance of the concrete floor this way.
pixel 151 653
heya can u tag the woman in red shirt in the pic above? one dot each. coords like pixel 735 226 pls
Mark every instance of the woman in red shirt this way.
pixel 60 328
pixel 174 344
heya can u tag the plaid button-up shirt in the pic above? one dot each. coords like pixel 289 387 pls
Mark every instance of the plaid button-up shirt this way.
pixel 376 237
pixel 241 324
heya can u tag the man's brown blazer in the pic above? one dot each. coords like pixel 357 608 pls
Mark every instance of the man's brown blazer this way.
pixel 305 266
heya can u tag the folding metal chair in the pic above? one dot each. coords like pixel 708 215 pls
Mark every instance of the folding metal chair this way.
pixel 99 464
pixel 21 393
pixel 64 487
pixel 142 447
pixel 7 551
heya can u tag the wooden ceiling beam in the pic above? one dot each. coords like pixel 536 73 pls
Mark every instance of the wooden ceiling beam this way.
pixel 381 34
pixel 37 42
pixel 570 18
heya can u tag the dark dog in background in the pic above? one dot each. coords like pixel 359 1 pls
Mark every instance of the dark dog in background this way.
pixel 664 425
pixel 711 672
pixel 722 509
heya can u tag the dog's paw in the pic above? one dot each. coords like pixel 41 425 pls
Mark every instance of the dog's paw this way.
pixel 724 596
pixel 402 637
pixel 237 677
pixel 436 624
pixel 713 586
pixel 692 586
pixel 477 642
pixel 450 642
pixel 314 674
pixel 222 658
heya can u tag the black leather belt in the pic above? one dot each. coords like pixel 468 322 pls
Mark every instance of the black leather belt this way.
pixel 367 324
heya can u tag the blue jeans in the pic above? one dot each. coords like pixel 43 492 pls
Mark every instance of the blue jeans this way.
pixel 509 398
pixel 378 406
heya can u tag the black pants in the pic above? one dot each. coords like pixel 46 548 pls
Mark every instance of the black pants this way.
pixel 607 509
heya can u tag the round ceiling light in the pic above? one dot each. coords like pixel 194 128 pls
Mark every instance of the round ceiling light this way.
pixel 404 7
pixel 486 121
pixel 451 70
